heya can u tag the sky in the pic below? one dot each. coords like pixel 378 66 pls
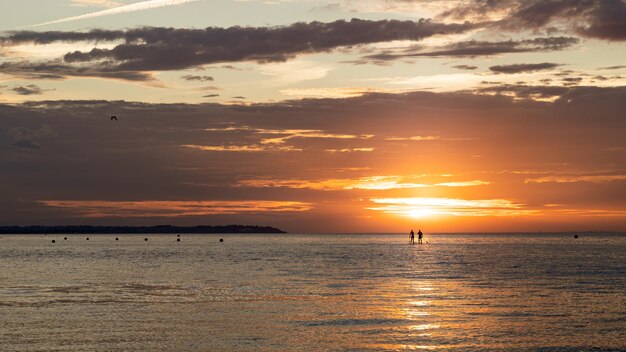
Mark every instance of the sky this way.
pixel 315 116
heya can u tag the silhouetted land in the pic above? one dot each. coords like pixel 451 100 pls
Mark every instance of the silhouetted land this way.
pixel 136 229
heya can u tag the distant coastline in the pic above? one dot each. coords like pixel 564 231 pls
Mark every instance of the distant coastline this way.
pixel 87 229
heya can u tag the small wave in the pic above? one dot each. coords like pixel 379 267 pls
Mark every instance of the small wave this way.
pixel 353 322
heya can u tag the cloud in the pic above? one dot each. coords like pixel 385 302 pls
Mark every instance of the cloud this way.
pixel 618 67
pixel 26 143
pixel 268 140
pixel 280 136
pixel 350 150
pixel 30 89
pixel 150 48
pixel 363 183
pixel 465 67
pixel 166 209
pixel 24 137
pixel 101 3
pixel 577 178
pixel 422 207
pixel 241 148
pixel 55 70
pixel 414 138
pixel 519 68
pixel 211 96
pixel 571 81
pixel 139 6
pixel 526 91
pixel 197 78
pixel 602 19
pixel 473 48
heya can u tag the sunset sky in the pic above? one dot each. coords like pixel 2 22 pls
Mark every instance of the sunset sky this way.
pixel 313 115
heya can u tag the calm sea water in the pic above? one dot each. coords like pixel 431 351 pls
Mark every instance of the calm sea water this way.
pixel 312 293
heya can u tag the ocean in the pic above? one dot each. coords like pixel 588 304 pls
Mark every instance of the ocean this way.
pixel 461 292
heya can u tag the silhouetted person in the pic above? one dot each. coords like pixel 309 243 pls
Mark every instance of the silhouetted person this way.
pixel 178 240
pixel 419 236
pixel 412 237
pixel 113 118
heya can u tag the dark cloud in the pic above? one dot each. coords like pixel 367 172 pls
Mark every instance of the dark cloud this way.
pixel 618 67
pixel 230 67
pixel 26 144
pixel 571 81
pixel 465 67
pixel 24 137
pixel 605 78
pixel 197 78
pixel 30 89
pixel 55 70
pixel 518 68
pixel 211 96
pixel 239 97
pixel 602 19
pixel 21 37
pixel 147 49
pixel 564 73
pixel 208 88
pixel 475 48
pixel 526 91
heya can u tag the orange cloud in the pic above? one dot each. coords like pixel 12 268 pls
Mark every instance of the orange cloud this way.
pixel 413 138
pixel 366 183
pixel 101 208
pixel 349 150
pixel 573 179
pixel 286 134
pixel 240 148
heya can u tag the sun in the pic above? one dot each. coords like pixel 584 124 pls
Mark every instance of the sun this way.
pixel 420 212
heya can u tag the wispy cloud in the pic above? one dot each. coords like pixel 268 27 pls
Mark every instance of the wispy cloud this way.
pixel 577 178
pixel 139 6
pixel 350 150
pixel 363 183
pixel 413 138
pixel 101 3
pixel 424 207
pixel 241 148
pixel 280 136
pixel 101 208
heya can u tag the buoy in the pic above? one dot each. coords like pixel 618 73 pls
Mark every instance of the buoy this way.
pixel 87 238
pixel 117 239
pixel 178 240
pixel 53 241
pixel 64 238
pixel 221 240
pixel 177 235
pixel 145 239
pixel 575 236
